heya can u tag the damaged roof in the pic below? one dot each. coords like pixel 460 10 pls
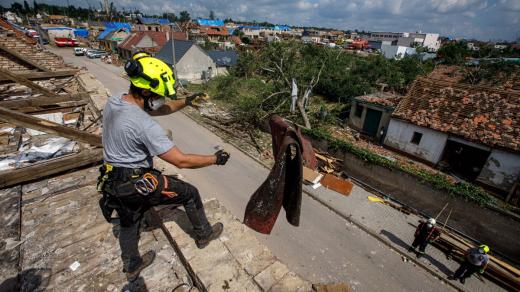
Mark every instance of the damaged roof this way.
pixel 157 38
pixel 385 99
pixel 477 113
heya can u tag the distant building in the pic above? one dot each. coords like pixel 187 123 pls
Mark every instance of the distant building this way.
pixel 396 52
pixel 150 42
pixel 12 17
pixel 468 131
pixel 192 62
pixel 430 41
pixel 223 60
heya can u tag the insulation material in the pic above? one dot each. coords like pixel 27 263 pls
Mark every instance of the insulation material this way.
pixel 54 117
pixel 53 147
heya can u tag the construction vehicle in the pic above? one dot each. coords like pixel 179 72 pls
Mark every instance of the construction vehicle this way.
pixel 358 44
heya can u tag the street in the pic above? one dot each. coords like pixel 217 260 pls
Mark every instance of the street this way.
pixel 325 248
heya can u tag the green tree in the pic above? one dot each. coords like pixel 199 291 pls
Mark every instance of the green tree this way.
pixel 17 8
pixel 454 53
pixel 184 16
pixel 35 7
pixel 26 7
pixel 212 15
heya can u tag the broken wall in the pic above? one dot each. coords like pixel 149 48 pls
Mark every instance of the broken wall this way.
pixel 430 148
pixel 501 170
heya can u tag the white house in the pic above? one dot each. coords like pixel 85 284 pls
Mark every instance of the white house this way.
pixel 397 52
pixel 468 131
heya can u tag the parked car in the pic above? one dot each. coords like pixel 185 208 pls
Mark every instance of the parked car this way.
pixel 92 54
pixel 66 42
pixel 79 51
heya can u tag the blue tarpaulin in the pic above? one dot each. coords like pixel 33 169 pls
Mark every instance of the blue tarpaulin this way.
pixel 81 32
pixel 210 22
pixel 113 26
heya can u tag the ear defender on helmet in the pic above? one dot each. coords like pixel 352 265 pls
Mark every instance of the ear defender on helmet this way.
pixel 134 69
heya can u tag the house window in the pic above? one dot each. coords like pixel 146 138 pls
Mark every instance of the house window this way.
pixel 359 110
pixel 416 138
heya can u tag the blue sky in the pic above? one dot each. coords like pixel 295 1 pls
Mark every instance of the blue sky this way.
pixel 481 19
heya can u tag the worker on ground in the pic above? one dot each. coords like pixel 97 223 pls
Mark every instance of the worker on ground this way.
pixel 131 138
pixel 425 233
pixel 475 259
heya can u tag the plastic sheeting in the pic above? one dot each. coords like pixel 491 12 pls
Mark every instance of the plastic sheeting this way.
pixel 210 22
pixel 53 147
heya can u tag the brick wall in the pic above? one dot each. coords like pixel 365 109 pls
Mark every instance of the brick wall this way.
pixel 44 58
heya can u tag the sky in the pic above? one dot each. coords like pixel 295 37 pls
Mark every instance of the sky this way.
pixel 480 19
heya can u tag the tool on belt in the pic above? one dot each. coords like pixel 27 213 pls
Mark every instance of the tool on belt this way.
pixel 118 183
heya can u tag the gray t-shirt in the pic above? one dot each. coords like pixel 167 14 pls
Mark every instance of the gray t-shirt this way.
pixel 476 257
pixel 130 136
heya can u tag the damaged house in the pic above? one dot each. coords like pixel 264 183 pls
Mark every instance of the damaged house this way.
pixel 371 113
pixel 472 132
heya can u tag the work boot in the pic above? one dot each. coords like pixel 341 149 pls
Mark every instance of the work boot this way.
pixel 147 260
pixel 451 277
pixel 410 249
pixel 462 280
pixel 419 255
pixel 217 229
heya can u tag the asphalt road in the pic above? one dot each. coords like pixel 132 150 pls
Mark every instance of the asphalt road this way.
pixel 324 249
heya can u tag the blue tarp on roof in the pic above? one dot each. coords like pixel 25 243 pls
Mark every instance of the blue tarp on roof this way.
pixel 113 26
pixel 282 27
pixel 81 32
pixel 105 33
pixel 210 22
pixel 258 27
pixel 151 20
pixel 117 25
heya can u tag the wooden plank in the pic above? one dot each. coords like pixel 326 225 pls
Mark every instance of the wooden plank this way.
pixel 35 123
pixel 23 58
pixel 53 108
pixel 24 81
pixel 50 167
pixel 42 101
pixel 336 184
pixel 311 176
pixel 42 75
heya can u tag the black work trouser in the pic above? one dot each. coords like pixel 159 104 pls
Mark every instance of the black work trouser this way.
pixel 421 243
pixel 465 270
pixel 180 193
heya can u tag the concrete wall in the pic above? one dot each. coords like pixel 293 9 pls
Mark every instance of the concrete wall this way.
pixel 431 41
pixel 356 122
pixel 501 170
pixel 193 63
pixel 430 148
pixel 498 230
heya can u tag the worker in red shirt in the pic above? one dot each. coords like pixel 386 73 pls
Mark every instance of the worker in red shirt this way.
pixel 425 233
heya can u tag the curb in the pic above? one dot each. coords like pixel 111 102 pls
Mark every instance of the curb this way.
pixel 348 218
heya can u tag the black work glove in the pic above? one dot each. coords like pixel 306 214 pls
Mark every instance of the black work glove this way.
pixel 222 157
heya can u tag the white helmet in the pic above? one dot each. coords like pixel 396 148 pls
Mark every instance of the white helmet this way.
pixel 432 221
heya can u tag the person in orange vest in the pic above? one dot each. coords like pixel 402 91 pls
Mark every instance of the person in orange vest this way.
pixel 425 233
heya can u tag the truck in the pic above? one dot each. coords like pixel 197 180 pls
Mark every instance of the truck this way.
pixel 66 42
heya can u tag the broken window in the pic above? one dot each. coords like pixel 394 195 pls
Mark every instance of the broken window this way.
pixel 416 139
pixel 359 110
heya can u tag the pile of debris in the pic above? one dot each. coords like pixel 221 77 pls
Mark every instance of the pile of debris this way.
pixel 48 122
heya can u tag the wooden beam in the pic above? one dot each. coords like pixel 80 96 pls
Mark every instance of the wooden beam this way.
pixel 23 58
pixel 15 104
pixel 63 107
pixel 28 121
pixel 49 167
pixel 42 75
pixel 24 81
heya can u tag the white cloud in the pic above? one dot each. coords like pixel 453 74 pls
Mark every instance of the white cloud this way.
pixel 484 19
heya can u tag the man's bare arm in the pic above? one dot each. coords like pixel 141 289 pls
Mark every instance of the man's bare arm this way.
pixel 169 107
pixel 176 157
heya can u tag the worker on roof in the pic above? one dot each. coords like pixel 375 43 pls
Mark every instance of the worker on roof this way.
pixel 475 259
pixel 131 138
pixel 425 233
